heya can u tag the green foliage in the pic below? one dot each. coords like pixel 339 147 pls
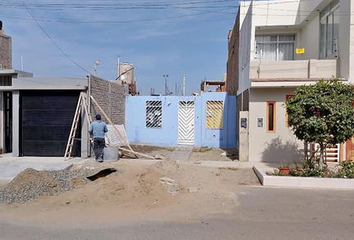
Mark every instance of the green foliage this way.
pixel 323 112
pixel 309 168
pixel 346 170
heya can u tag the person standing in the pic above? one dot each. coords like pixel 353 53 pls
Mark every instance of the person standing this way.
pixel 97 129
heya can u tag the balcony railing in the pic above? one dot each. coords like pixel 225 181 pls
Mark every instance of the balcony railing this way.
pixel 298 69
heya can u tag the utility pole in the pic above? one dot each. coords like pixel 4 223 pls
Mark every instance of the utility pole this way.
pixel 184 85
pixel 118 70
pixel 166 91
pixel 21 62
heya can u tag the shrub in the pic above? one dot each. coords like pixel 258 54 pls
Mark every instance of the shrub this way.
pixel 346 170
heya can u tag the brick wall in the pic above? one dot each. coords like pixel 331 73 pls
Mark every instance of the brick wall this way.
pixel 110 96
pixel 5 51
pixel 246 100
pixel 232 68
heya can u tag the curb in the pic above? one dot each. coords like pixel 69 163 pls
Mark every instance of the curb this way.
pixel 302 182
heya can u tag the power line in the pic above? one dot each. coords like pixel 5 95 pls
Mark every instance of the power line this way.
pixel 105 21
pixel 116 4
pixel 55 44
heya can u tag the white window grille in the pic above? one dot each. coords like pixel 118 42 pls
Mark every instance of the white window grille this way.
pixel 214 114
pixel 154 114
pixel 275 47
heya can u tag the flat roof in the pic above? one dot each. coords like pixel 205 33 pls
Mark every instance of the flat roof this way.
pixel 4 72
pixel 48 83
pixel 284 82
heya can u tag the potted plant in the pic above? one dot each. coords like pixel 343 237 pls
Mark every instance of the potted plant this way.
pixel 284 169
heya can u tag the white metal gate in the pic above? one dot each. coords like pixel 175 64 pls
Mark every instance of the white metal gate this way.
pixel 331 152
pixel 186 122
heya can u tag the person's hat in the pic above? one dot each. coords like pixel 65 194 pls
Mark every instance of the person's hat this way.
pixel 98 117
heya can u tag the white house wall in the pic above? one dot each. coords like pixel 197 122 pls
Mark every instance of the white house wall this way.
pixel 270 13
pixel 301 18
pixel 244 52
pixel 349 34
pixel 308 38
pixel 279 146
pixel 307 6
pixel 346 35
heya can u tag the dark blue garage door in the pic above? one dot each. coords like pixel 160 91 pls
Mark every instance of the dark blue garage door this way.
pixel 45 122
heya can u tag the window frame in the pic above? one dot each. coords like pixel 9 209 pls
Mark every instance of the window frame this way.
pixel 277 42
pixel 328 13
pixel 274 116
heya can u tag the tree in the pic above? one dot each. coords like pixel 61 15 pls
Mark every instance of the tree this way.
pixel 322 113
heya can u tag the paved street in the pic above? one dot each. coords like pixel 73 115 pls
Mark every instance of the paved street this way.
pixel 263 213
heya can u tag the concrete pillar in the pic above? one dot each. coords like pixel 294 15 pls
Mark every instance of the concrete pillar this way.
pixel 244 136
pixel 16 123
pixel 2 126
pixel 85 147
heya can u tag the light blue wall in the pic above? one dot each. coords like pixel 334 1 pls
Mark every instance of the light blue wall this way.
pixel 168 134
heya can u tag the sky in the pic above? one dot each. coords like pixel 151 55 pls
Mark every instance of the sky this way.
pixel 162 37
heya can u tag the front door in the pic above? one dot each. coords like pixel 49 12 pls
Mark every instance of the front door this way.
pixel 186 122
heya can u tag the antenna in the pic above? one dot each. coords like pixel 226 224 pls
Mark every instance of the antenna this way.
pixel 118 70
pixel 184 85
pixel 21 62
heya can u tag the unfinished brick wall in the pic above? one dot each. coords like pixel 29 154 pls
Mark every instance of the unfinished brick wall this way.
pixel 5 52
pixel 232 68
pixel 110 96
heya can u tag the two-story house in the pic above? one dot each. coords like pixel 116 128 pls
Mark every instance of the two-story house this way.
pixel 274 47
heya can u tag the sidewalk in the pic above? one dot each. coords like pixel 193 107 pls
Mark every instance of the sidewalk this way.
pixel 10 166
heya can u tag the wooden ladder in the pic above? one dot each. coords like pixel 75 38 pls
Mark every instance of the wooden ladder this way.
pixel 81 103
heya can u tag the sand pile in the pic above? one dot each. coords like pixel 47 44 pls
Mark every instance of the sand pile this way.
pixel 131 185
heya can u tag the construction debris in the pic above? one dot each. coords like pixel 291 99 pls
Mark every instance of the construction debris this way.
pixel 193 189
pixel 170 185
pixel 31 184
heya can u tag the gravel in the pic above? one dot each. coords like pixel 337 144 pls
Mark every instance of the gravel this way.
pixel 31 184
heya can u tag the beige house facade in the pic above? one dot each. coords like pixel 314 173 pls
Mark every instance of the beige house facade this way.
pixel 274 47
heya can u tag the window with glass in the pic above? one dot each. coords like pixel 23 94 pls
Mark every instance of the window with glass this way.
pixel 275 47
pixel 329 30
pixel 271 116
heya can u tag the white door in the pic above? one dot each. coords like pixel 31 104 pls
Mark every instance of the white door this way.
pixel 186 122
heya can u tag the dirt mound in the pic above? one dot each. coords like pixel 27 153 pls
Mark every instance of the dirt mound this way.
pixel 131 185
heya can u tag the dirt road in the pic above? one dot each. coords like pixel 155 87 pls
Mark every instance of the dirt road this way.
pixel 261 213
